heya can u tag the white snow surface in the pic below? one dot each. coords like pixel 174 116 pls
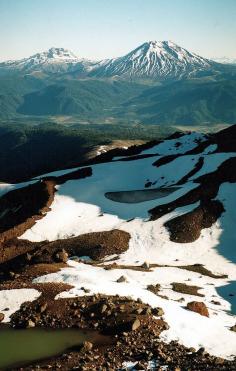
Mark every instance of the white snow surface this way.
pixel 11 300
pixel 83 201
pixel 80 207
pixel 180 145
pixel 212 162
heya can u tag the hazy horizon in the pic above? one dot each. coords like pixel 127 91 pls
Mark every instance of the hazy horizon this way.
pixel 107 28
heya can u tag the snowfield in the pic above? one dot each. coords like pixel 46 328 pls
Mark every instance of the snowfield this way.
pixel 80 206
pixel 189 328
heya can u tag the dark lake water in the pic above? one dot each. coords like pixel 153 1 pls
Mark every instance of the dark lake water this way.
pixel 20 347
pixel 133 197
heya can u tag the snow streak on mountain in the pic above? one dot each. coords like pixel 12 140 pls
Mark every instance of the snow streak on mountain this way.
pixel 54 60
pixel 154 59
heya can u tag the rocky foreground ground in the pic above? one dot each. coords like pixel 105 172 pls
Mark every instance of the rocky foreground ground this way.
pixel 132 330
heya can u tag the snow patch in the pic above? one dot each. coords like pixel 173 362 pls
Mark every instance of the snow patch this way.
pixel 11 300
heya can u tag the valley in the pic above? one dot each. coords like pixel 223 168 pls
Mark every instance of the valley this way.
pixel 158 83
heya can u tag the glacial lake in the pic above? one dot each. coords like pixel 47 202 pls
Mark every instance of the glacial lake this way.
pixel 23 346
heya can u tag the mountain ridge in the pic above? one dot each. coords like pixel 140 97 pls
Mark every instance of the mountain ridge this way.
pixel 153 59
pixel 54 60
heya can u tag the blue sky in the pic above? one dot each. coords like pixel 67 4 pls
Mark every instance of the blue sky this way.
pixel 108 28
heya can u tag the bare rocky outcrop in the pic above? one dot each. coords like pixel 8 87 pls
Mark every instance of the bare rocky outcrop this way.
pixel 198 307
pixel 73 175
pixel 96 245
pixel 187 228
pixel 32 258
pixel 21 208
pixel 136 336
pixel 186 289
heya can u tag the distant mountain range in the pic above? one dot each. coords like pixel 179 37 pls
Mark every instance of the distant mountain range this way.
pixel 154 59
pixel 156 83
pixel 55 60
pixel 225 60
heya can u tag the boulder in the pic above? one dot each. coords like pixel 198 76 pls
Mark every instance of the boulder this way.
pixel 30 324
pixel 198 307
pixel 233 328
pixel 87 345
pixel 158 312
pixel 122 279
pixel 62 256
pixel 43 307
pixel 136 324
pixel 103 308
pixel 154 288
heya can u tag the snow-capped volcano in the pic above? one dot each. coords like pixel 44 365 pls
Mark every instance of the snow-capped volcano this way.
pixel 52 60
pixel 154 59
pixel 54 54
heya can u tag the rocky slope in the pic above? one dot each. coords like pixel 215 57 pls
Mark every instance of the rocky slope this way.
pixel 153 266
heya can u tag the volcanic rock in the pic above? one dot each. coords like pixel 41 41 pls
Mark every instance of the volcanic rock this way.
pixel 122 279
pixel 136 324
pixel 158 311
pixel 198 307
pixel 87 345
pixel 62 256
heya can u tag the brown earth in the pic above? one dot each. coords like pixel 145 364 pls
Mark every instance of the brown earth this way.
pixel 20 278
pixel 187 227
pixel 13 247
pixel 96 245
pixel 21 208
pixel 109 315
pixel 186 289
pixel 26 258
pixel 198 268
